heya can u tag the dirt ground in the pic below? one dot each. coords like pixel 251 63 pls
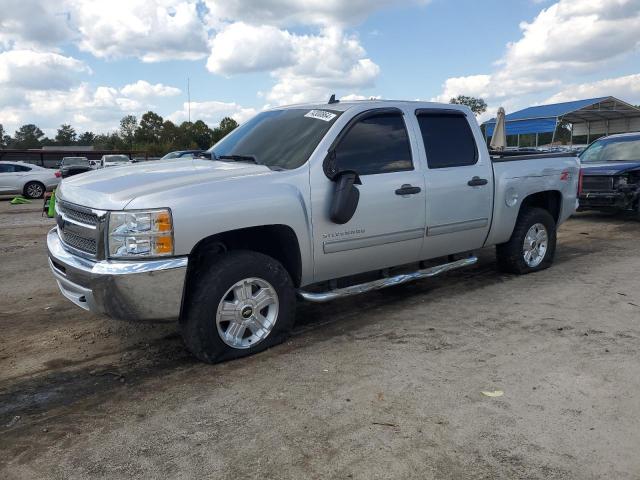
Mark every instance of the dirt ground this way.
pixel 386 385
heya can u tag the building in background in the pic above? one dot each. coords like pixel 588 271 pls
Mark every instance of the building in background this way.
pixel 586 120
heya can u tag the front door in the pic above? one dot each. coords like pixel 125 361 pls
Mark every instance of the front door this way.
pixel 388 226
pixel 10 178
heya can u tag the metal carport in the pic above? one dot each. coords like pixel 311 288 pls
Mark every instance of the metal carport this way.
pixel 591 117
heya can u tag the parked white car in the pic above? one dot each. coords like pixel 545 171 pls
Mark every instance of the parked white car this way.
pixel 114 160
pixel 26 179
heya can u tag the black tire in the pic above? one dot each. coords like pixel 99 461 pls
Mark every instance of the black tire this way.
pixel 509 255
pixel 34 190
pixel 198 323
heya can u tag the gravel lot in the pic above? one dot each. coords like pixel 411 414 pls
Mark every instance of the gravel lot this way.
pixel 386 385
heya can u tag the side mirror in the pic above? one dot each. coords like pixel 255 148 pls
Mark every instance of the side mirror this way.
pixel 345 197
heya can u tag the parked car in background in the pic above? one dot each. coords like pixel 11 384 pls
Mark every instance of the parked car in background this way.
pixel 323 201
pixel 74 165
pixel 26 179
pixel 114 160
pixel 610 174
pixel 183 154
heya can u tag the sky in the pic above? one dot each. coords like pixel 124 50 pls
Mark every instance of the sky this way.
pixel 88 63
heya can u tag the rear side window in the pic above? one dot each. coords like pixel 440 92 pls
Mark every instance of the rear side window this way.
pixel 448 140
pixel 9 168
pixel 376 144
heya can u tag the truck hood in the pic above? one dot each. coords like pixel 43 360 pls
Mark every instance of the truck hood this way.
pixel 609 168
pixel 114 188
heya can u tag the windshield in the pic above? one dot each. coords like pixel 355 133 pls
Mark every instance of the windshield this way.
pixel 69 161
pixel 116 158
pixel 619 149
pixel 279 139
pixel 171 155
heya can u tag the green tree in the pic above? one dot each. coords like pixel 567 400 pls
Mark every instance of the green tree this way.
pixel 477 105
pixel 185 136
pixel 169 136
pixel 86 138
pixel 66 135
pixel 27 136
pixel 128 127
pixel 202 135
pixel 226 126
pixel 150 129
pixel 5 139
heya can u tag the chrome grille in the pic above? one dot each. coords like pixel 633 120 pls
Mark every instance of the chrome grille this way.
pixel 593 183
pixel 77 215
pixel 87 245
pixel 80 228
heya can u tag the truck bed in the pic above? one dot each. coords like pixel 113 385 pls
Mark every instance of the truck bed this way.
pixel 517 156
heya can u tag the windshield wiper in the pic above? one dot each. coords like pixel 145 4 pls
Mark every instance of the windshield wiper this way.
pixel 239 158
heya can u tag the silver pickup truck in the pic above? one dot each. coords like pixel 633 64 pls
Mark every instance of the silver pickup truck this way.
pixel 318 201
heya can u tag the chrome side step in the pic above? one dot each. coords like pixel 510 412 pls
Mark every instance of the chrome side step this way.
pixel 321 297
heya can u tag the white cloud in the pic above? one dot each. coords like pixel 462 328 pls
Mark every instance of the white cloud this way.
pixel 353 96
pixel 85 107
pixel 144 89
pixel 240 48
pixel 297 12
pixel 562 43
pixel 305 67
pixel 29 69
pixel 152 30
pixel 625 88
pixel 211 112
pixel 33 23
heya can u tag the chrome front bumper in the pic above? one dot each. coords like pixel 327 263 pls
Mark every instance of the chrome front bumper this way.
pixel 130 290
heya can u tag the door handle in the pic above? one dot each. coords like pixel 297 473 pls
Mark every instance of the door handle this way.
pixel 407 189
pixel 477 181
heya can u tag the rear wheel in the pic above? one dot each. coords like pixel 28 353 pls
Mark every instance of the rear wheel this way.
pixel 532 244
pixel 243 303
pixel 34 190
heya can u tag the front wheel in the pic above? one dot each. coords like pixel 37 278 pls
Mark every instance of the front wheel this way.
pixel 243 303
pixel 532 244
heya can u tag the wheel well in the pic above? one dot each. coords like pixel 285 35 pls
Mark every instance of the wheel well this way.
pixel 33 181
pixel 550 200
pixel 277 241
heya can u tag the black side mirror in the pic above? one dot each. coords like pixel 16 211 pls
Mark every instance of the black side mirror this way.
pixel 345 197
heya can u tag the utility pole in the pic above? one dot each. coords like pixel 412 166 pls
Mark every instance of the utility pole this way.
pixel 189 99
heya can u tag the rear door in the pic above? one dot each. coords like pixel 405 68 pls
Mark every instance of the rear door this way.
pixel 387 228
pixel 459 183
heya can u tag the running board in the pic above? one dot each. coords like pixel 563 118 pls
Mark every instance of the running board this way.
pixel 321 297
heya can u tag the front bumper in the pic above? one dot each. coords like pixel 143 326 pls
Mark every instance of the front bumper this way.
pixel 599 200
pixel 130 290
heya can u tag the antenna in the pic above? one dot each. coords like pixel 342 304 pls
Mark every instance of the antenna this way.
pixel 333 99
pixel 189 98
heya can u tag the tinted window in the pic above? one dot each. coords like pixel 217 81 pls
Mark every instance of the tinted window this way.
pixel 376 144
pixel 9 168
pixel 279 139
pixel 448 140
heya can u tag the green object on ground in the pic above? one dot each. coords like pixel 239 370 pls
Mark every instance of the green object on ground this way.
pixel 52 205
pixel 19 200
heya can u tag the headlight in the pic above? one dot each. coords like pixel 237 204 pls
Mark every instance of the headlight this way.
pixel 622 181
pixel 140 234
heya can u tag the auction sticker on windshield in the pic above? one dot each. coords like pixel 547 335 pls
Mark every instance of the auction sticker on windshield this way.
pixel 321 115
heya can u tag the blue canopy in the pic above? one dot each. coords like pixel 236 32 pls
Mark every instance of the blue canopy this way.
pixel 540 119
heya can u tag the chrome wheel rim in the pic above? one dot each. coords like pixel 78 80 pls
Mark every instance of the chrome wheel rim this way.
pixel 535 245
pixel 247 313
pixel 34 190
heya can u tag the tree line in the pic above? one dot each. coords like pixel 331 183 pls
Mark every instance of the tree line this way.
pixel 151 133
